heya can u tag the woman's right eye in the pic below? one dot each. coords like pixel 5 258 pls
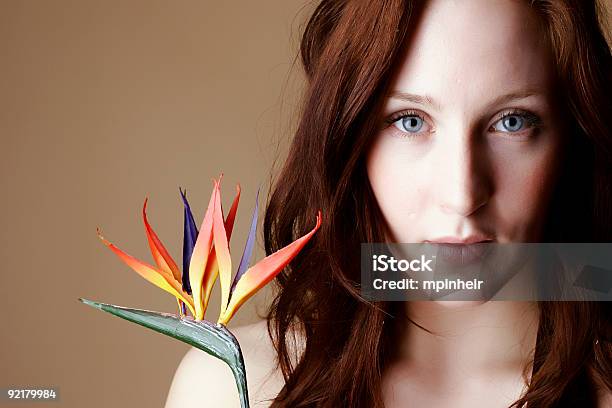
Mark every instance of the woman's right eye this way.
pixel 410 123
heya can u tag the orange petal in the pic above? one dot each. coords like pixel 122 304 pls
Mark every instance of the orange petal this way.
pixel 212 268
pixel 200 257
pixel 210 276
pixel 161 256
pixel 222 253
pixel 154 275
pixel 263 272
pixel 231 216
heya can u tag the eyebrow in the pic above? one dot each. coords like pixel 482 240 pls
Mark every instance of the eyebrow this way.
pixel 427 100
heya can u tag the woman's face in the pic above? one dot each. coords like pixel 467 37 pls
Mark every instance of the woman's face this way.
pixel 470 141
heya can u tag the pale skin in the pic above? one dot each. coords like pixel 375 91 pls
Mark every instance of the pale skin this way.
pixel 204 381
pixel 476 152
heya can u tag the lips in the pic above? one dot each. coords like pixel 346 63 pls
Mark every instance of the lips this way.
pixel 460 251
pixel 472 239
pixel 460 254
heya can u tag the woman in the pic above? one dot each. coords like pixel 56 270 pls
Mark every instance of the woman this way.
pixel 454 122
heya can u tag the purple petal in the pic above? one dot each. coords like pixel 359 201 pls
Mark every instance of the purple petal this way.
pixel 250 243
pixel 190 234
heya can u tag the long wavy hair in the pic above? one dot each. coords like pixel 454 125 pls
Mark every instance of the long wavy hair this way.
pixel 332 345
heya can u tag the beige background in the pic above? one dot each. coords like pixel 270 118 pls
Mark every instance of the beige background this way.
pixel 101 104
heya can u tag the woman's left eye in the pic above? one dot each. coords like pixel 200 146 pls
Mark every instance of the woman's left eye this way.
pixel 515 122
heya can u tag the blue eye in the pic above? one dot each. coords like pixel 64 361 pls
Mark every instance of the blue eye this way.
pixel 510 123
pixel 410 123
pixel 515 122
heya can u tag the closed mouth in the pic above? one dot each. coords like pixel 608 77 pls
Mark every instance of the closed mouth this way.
pixel 460 254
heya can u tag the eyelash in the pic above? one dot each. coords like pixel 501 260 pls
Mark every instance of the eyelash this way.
pixel 400 115
pixel 532 121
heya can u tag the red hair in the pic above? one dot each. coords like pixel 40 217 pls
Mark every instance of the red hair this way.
pixel 348 51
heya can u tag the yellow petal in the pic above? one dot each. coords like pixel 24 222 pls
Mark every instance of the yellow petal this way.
pixel 222 253
pixel 212 268
pixel 263 272
pixel 200 258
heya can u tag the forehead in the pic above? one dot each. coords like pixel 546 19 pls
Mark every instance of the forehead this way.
pixel 468 49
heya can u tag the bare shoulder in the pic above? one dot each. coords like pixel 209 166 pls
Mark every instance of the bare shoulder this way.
pixel 604 399
pixel 203 380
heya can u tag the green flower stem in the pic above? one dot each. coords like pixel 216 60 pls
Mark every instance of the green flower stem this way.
pixel 215 339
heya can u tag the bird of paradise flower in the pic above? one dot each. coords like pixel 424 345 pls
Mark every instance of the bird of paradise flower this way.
pixel 206 256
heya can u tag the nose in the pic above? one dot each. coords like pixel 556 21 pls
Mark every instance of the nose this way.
pixel 464 179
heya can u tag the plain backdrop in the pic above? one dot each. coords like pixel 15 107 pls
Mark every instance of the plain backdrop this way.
pixel 104 103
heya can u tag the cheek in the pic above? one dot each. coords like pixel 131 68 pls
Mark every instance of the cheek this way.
pixel 399 184
pixel 524 183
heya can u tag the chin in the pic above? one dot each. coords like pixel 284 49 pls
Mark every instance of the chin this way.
pixel 459 304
